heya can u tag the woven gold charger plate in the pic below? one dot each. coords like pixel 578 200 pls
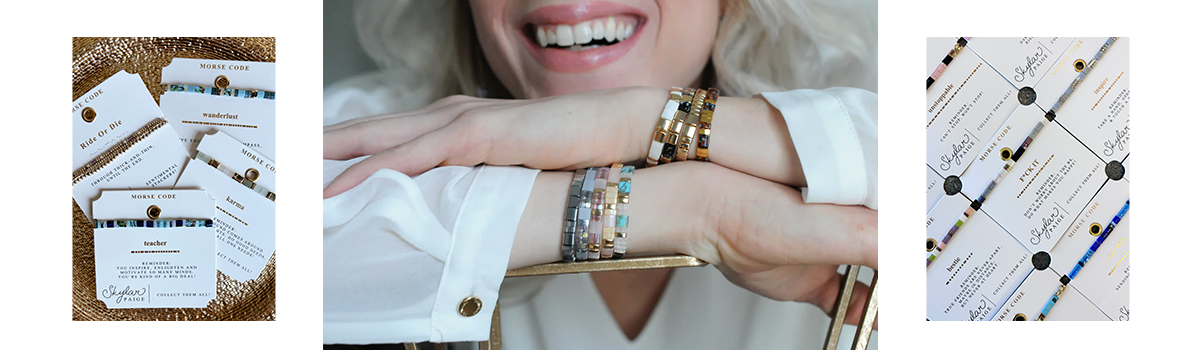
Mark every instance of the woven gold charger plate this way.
pixel 97 59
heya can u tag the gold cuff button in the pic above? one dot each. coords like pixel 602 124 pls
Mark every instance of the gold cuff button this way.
pixel 470 306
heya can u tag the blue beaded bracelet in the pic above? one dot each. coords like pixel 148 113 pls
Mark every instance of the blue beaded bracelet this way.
pixel 153 223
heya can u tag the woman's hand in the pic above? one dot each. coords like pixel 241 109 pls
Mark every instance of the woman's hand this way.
pixel 763 237
pixel 588 129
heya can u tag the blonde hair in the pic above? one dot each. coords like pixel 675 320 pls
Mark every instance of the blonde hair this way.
pixel 429 49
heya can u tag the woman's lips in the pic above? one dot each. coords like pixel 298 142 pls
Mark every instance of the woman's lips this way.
pixel 581 37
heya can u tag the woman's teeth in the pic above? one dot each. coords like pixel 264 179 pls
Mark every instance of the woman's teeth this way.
pixel 583 35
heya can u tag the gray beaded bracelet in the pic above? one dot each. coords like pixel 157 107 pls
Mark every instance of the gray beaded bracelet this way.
pixel 584 218
pixel 571 216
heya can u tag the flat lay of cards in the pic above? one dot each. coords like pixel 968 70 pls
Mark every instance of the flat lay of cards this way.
pixel 1027 183
pixel 181 190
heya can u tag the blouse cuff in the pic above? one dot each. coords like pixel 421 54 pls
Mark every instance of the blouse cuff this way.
pixel 478 259
pixel 831 150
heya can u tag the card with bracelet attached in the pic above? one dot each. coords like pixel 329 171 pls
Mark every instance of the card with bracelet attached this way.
pixel 154 248
pixel 235 97
pixel 107 114
pixel 243 183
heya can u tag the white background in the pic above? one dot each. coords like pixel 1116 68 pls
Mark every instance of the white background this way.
pixel 35 287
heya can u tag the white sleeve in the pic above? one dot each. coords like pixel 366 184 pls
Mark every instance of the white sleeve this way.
pixel 835 132
pixel 401 253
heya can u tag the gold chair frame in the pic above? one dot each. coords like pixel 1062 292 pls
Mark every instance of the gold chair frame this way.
pixel 861 338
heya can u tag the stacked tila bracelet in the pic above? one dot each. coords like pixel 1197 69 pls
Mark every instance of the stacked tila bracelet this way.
pixel 686 112
pixel 596 221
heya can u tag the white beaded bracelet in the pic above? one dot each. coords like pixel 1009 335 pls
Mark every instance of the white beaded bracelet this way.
pixel 664 122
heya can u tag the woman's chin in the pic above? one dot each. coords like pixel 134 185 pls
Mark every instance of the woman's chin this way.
pixel 555 87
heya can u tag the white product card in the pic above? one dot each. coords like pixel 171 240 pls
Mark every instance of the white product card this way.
pixel 153 162
pixel 251 121
pixel 1105 278
pixel 979 269
pixel 1046 189
pixel 1098 111
pixel 1022 61
pixel 245 220
pixel 933 188
pixel 154 267
pixel 965 106
pixel 1029 300
pixel 116 107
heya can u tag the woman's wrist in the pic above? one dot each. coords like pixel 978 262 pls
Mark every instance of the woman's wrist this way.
pixel 643 105
pixel 665 211
pixel 751 136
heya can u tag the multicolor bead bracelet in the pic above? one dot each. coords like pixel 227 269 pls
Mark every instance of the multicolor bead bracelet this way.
pixel 596 220
pixel 937 72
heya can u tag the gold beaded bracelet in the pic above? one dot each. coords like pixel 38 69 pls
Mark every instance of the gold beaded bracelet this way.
pixel 664 124
pixel 689 128
pixel 706 116
pixel 670 146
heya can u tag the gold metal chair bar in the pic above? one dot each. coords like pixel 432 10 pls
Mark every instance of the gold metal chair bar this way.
pixel 862 336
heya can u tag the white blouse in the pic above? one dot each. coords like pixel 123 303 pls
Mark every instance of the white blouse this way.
pixel 401 253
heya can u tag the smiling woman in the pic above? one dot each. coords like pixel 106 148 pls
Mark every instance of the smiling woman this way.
pixel 431 195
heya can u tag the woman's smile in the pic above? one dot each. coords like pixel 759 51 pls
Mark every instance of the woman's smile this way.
pixel 580 37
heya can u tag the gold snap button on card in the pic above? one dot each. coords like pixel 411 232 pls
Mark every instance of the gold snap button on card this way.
pixel 930 244
pixel 470 306
pixel 1019 317
pixel 1095 229
pixel 222 82
pixel 89 114
pixel 1006 154
pixel 252 174
pixel 1080 65
pixel 153 212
